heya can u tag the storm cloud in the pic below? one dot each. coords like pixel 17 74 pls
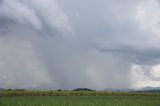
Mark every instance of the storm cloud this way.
pixel 71 43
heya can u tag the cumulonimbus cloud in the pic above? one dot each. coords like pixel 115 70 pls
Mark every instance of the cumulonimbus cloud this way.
pixel 111 38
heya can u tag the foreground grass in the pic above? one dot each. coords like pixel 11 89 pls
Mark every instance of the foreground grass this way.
pixel 80 101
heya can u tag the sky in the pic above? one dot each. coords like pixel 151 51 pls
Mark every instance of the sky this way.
pixel 71 44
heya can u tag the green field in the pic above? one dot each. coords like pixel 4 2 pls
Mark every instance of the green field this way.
pixel 72 93
pixel 77 98
pixel 80 101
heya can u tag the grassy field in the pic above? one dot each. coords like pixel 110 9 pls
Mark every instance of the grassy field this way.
pixel 72 93
pixel 80 101
pixel 77 98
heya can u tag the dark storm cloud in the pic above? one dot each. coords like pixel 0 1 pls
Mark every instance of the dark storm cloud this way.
pixel 137 55
pixel 4 25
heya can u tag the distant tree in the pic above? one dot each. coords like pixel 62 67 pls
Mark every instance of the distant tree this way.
pixel 83 89
pixel 19 89
pixel 59 90
pixel 9 90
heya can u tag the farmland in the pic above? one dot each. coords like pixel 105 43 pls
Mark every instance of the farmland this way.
pixel 74 98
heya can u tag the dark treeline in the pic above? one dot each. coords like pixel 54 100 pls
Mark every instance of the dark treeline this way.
pixel 83 89
pixel 71 93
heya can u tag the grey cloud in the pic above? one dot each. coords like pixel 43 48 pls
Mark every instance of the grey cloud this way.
pixel 4 26
pixel 47 18
pixel 137 55
pixel 100 42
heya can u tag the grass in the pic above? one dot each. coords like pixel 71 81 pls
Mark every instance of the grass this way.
pixel 80 101
pixel 72 93
pixel 77 98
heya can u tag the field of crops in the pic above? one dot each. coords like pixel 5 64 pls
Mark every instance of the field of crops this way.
pixel 80 101
pixel 72 93
pixel 77 98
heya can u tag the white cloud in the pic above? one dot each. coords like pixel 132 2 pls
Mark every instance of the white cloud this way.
pixel 148 16
pixel 142 76
pixel 155 72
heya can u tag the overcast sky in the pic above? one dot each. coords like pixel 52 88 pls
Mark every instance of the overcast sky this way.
pixel 79 43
